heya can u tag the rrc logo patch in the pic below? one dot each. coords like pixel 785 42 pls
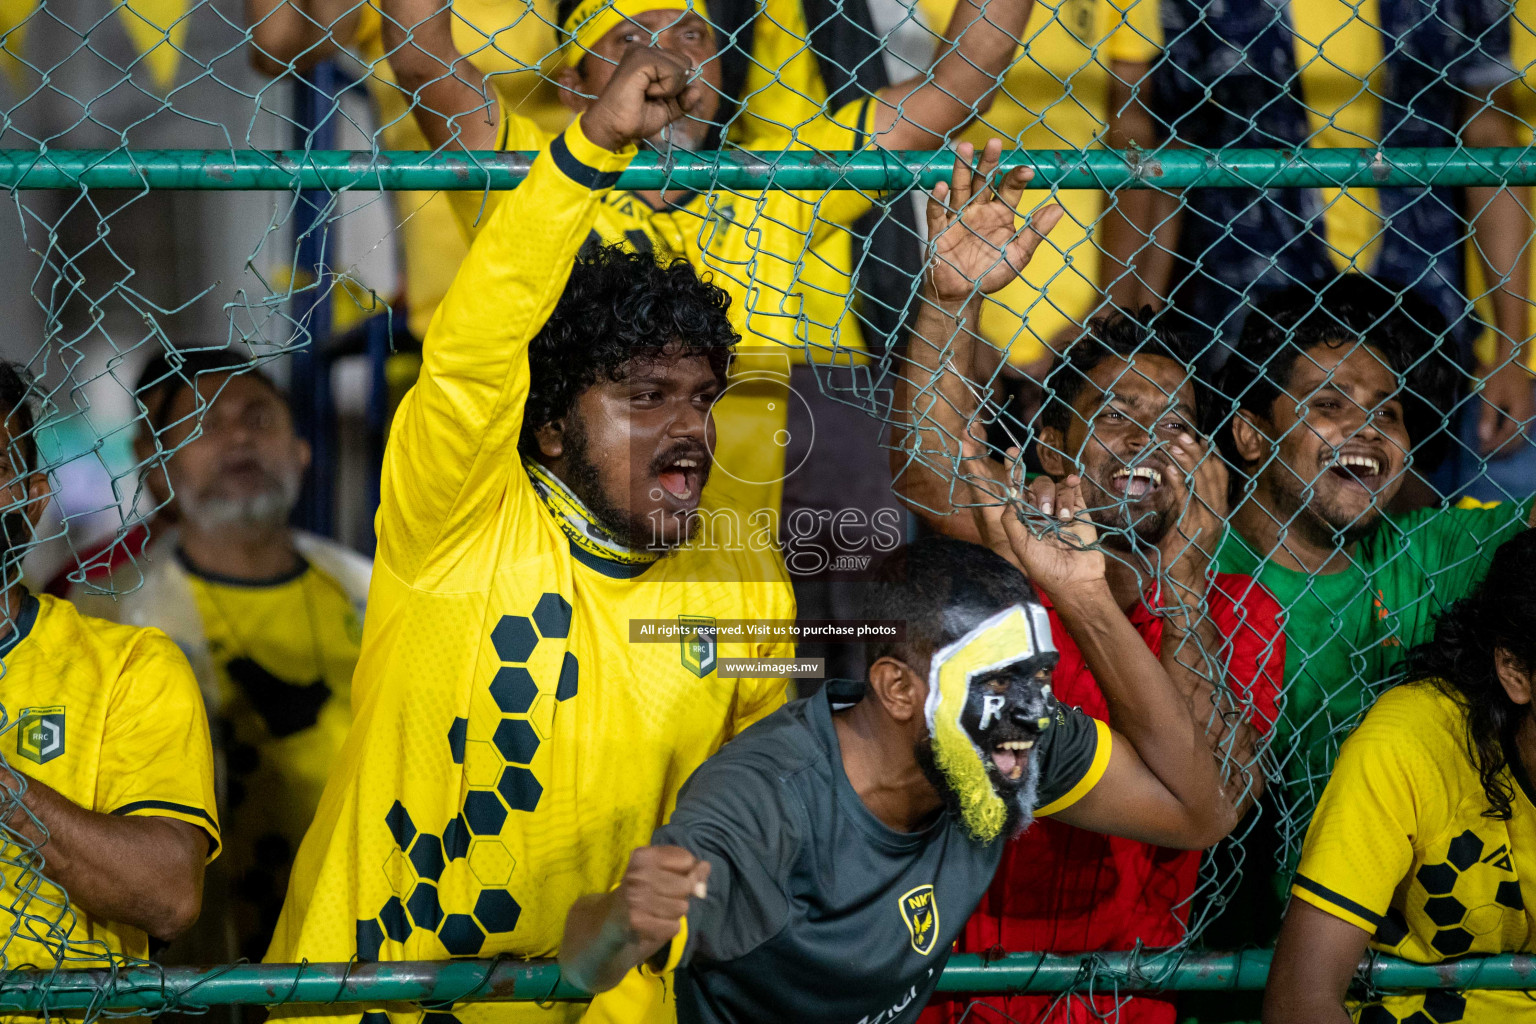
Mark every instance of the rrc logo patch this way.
pixel 698 640
pixel 920 910
pixel 40 734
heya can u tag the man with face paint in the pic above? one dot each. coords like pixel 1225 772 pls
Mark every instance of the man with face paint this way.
pixel 1123 419
pixel 820 866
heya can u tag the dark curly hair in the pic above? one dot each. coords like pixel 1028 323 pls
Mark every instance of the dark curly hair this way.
pixel 1499 615
pixel 620 305
pixel 1122 335
pixel 1405 329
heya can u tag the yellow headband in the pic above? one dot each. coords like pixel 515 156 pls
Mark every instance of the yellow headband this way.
pixel 1013 635
pixel 593 19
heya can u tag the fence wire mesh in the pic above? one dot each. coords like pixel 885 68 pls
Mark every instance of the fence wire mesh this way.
pixel 1339 496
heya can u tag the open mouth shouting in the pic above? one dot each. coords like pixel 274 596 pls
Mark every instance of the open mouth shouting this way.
pixel 1011 757
pixel 1136 482
pixel 681 476
pixel 1359 469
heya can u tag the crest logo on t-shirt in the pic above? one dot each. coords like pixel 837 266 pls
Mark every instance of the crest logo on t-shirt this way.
pixel 920 910
pixel 40 733
pixel 696 633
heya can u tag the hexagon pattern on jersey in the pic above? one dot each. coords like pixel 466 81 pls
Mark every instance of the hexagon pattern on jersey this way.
pixel 1456 901
pixel 514 691
pixel 472 834
pixel 1437 1006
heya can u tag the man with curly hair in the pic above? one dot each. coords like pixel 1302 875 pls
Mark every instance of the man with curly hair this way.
pixel 1424 843
pixel 516 733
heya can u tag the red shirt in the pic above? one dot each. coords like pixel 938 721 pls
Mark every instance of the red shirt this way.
pixel 1061 889
pixel 101 558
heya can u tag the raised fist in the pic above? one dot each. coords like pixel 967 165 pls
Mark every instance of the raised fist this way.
pixel 649 90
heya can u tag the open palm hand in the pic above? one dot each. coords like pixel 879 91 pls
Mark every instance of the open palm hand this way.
pixel 974 241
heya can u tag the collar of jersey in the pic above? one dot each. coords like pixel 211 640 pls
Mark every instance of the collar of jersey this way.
pixel 578 522
pixel 22 626
pixel 819 713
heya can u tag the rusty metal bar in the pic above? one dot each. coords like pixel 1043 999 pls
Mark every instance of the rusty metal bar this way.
pixel 444 982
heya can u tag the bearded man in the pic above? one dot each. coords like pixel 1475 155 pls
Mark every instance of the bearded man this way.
pixel 820 867
pixel 269 617
pixel 516 734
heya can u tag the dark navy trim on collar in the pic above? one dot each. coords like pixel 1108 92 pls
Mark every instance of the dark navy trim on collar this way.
pixel 25 620
pixel 607 566
pixel 235 581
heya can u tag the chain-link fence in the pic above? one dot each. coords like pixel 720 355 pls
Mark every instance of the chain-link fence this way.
pixel 1304 443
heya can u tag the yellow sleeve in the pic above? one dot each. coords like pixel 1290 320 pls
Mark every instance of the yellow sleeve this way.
pixel 156 758
pixel 1382 795
pixel 453 447
pixel 847 128
pixel 1098 764
pixel 368 34
pixel 514 133
pixel 1136 31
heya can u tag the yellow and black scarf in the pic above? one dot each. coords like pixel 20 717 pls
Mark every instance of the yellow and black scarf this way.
pixel 578 522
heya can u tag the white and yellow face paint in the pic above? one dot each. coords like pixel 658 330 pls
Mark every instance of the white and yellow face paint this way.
pixel 1012 636
pixel 594 19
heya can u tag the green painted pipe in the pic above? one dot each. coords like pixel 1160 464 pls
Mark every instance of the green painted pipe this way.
pixel 442 982
pixel 789 169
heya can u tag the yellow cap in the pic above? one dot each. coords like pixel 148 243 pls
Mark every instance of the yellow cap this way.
pixel 593 19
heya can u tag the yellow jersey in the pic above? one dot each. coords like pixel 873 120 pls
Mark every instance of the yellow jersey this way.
pixel 1056 95
pixel 513 43
pixel 511 745
pixel 111 717
pixel 283 654
pixel 1400 847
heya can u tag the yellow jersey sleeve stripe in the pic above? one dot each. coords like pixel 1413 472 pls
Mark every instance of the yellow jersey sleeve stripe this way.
pixel 675 952
pixel 1342 907
pixel 585 162
pixel 183 812
pixel 1090 778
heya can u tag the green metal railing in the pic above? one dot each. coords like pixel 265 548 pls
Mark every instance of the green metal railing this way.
pixel 443 982
pixel 392 170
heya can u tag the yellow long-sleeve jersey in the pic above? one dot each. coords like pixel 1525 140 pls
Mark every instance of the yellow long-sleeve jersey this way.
pixel 761 248
pixel 511 746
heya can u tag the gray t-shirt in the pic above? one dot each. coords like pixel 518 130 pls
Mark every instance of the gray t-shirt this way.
pixel 817 911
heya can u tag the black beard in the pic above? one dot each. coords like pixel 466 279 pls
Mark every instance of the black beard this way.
pixel 1295 513
pixel 581 476
pixel 1109 516
pixel 1013 819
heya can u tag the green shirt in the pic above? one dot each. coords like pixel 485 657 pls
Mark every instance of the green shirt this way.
pixel 1346 632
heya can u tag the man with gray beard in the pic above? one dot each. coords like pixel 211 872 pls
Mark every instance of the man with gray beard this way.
pixel 269 617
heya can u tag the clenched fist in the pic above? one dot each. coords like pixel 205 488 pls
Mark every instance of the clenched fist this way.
pixel 649 90
pixel 653 897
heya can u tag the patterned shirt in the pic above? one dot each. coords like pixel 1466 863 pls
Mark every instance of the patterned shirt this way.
pixel 1230 79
